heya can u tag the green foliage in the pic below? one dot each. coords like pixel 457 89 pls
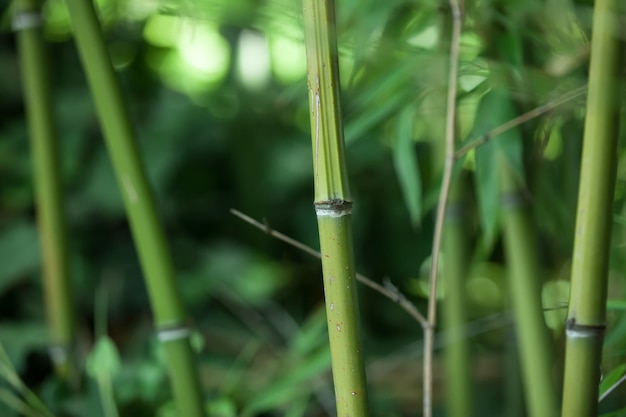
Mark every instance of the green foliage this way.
pixel 17 262
pixel 495 108
pixel 104 360
pixel 407 164
pixel 210 142
pixel 612 378
pixel 18 339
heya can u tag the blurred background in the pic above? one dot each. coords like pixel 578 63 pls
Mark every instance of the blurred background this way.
pixel 218 95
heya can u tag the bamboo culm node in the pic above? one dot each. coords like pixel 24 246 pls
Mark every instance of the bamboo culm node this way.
pixel 172 333
pixel 59 353
pixel 333 208
pixel 584 331
pixel 26 20
pixel 513 200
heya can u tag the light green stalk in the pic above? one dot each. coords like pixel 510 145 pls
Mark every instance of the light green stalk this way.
pixel 46 174
pixel 457 355
pixel 525 286
pixel 169 314
pixel 586 321
pixel 333 208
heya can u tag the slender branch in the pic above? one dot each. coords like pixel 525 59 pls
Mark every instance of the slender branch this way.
pixel 429 331
pixel 536 112
pixel 388 290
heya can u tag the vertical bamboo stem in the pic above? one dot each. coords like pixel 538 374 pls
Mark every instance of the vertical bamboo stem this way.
pixel 587 305
pixel 333 208
pixel 27 22
pixel 458 370
pixel 524 282
pixel 154 255
pixel 446 183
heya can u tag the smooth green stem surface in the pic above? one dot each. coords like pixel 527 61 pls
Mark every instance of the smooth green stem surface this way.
pixel 147 231
pixel 457 354
pixel 48 189
pixel 341 314
pixel 333 210
pixel 587 304
pixel 323 77
pixel 107 396
pixel 535 345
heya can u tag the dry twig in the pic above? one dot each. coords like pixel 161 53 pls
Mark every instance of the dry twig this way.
pixel 429 330
pixel 389 291
pixel 536 112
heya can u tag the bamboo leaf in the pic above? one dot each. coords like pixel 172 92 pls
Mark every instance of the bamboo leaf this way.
pixel 18 339
pixel 362 124
pixel 617 218
pixel 616 304
pixel 19 251
pixel 17 404
pixel 222 407
pixel 494 109
pixel 291 386
pixel 617 413
pixel 554 294
pixel 617 335
pixel 407 164
pixel 488 191
pixel 104 359
pixel 310 335
pixel 612 378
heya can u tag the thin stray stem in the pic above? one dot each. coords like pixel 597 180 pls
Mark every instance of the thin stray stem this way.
pixel 429 330
pixel 536 112
pixel 389 291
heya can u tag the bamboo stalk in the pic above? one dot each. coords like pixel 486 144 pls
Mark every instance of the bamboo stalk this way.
pixel 27 23
pixel 455 247
pixel 457 355
pixel 446 183
pixel 333 208
pixel 169 313
pixel 586 321
pixel 525 286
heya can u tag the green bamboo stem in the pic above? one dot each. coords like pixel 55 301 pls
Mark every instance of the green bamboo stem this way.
pixel 46 173
pixel 514 405
pixel 333 209
pixel 525 285
pixel 170 316
pixel 455 248
pixel 457 354
pixel 586 321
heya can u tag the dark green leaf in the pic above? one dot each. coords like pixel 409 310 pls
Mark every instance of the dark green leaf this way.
pixel 494 109
pixel 612 378
pixel 407 164
pixel 618 413
pixel 19 251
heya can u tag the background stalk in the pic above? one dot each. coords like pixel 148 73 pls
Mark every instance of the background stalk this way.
pixel 455 247
pixel 587 304
pixel 457 354
pixel 525 286
pixel 333 209
pixel 155 258
pixel 27 23
pixel 446 183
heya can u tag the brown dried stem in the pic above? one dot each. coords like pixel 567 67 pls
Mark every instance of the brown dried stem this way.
pixel 388 291
pixel 536 112
pixel 429 330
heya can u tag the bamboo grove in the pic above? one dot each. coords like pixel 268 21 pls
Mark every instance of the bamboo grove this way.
pixel 469 152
